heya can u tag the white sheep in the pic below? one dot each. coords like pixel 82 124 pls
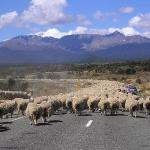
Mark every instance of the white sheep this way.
pixel 79 104
pixel 7 107
pixel 34 112
pixel 21 104
pixel 146 105
pixel 40 99
pixel 93 103
pixel 132 106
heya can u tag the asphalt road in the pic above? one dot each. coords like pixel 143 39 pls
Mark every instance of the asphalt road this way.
pixel 67 132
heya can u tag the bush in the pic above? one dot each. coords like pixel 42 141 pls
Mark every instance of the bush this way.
pixel 139 81
pixel 24 86
pixel 3 86
pixel 11 83
pixel 130 71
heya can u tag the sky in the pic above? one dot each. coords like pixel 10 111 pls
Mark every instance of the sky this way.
pixel 65 17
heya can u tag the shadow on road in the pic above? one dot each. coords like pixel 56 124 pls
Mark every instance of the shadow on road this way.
pixel 29 133
pixel 60 113
pixel 2 128
pixel 6 122
pixel 49 122
pixel 12 148
pixel 43 124
pixel 141 117
pixel 119 114
pixel 85 115
pixel 54 121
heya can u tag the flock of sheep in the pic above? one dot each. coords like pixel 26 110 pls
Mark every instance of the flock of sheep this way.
pixel 104 96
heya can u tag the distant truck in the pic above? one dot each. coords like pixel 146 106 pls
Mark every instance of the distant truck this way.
pixel 132 89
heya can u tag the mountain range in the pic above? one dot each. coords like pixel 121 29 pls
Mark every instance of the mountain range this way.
pixel 74 48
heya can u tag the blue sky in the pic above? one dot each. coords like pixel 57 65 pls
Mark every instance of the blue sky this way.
pixel 62 17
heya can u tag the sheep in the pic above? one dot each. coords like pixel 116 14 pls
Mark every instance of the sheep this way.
pixel 131 96
pixel 56 102
pixel 122 99
pixel 122 102
pixel 3 101
pixel 146 105
pixel 69 104
pixel 93 103
pixel 63 99
pixel 114 105
pixel 7 107
pixel 14 94
pixel 48 110
pixel 104 106
pixel 34 112
pixel 141 103
pixel 132 106
pixel 21 105
pixel 38 100
pixel 79 104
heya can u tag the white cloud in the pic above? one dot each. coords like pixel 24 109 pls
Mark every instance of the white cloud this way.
pixel 147 34
pixel 8 18
pixel 141 21
pixel 126 10
pixel 99 15
pixel 53 32
pixel 79 30
pixel 83 20
pixel 46 11
pixel 128 31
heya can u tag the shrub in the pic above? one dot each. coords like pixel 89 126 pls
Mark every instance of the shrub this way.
pixel 11 83
pixel 139 81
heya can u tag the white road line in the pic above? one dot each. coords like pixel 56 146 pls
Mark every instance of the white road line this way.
pixel 89 123
pixel 17 118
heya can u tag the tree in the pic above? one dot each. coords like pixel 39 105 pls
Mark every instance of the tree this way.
pixel 24 86
pixel 130 71
pixel 11 83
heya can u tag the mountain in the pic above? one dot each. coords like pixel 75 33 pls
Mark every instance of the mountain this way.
pixel 74 48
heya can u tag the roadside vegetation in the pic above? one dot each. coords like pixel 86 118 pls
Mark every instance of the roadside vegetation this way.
pixel 16 77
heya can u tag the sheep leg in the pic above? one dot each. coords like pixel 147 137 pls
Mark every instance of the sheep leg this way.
pixel 135 114
pixel 71 111
pixel 35 121
pixel 44 119
pixel 23 112
pixel 89 109
pixel 11 114
pixel 75 112
pixel 49 114
pixel 31 120
pixel 146 112
pixel 18 110
pixel 101 112
pixel 116 112
pixel 105 113
pixel 131 114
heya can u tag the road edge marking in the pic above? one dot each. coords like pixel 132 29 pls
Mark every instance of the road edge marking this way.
pixel 17 119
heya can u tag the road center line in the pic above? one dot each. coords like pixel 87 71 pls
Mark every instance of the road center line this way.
pixel 89 123
pixel 17 118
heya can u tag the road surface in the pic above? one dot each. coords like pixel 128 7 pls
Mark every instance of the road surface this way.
pixel 90 131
